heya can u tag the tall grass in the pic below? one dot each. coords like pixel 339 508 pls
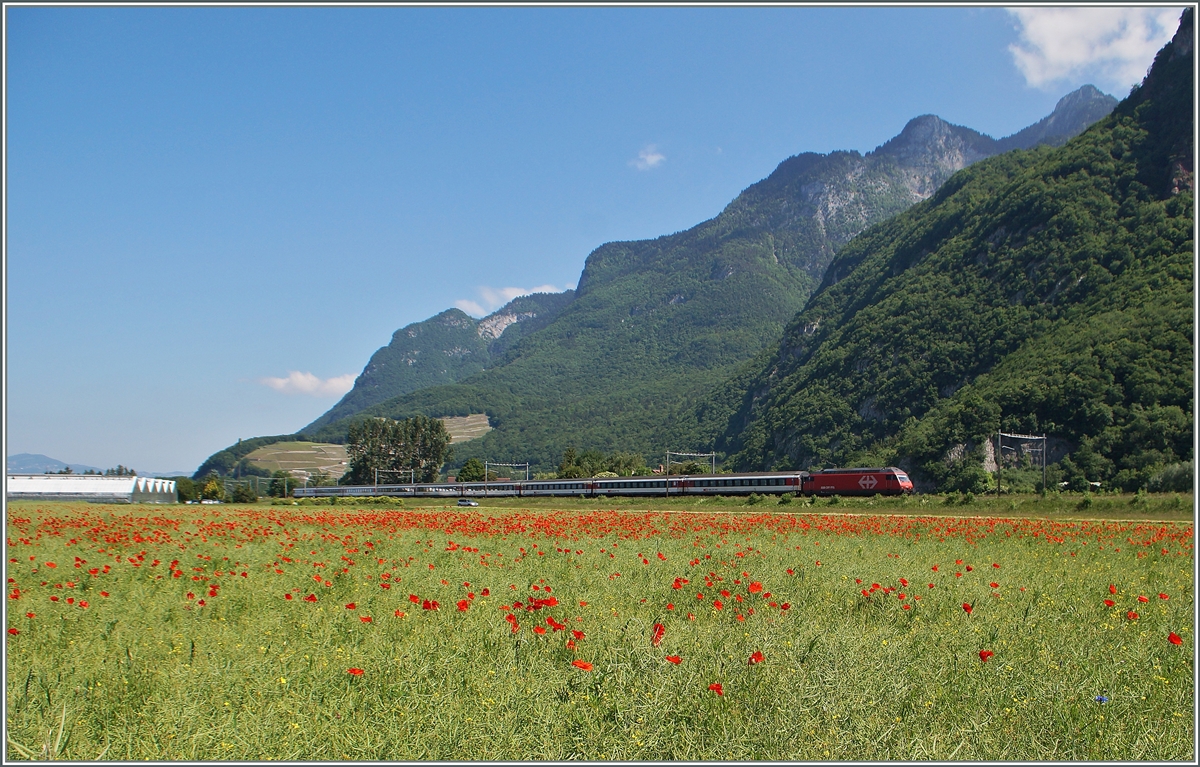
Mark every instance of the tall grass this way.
pixel 148 673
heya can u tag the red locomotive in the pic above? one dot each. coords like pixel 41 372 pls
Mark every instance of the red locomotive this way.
pixel 885 481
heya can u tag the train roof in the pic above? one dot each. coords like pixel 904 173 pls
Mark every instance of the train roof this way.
pixel 857 470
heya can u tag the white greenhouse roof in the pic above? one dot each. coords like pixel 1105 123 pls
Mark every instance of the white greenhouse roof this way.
pixel 90 487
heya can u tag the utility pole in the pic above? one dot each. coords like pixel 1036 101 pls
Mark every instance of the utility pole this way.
pixel 1043 463
pixel 999 457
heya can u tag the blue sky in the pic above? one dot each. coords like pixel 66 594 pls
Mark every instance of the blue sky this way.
pixel 215 215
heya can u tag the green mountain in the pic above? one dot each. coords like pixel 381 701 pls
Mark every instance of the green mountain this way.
pixel 1038 291
pixel 443 349
pixel 655 325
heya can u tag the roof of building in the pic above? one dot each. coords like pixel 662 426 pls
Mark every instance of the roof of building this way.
pixel 85 484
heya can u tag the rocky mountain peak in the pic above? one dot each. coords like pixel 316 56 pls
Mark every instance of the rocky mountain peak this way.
pixel 929 137
pixel 1072 114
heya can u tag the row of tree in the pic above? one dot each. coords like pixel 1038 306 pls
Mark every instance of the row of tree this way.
pixel 120 471
pixel 383 450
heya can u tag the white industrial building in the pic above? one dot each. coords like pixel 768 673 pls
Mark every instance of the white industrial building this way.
pixel 95 488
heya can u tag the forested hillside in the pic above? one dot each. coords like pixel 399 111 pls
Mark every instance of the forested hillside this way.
pixel 655 325
pixel 443 349
pixel 1039 291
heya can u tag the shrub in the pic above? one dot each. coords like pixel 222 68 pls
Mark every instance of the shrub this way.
pixel 244 494
pixel 1176 478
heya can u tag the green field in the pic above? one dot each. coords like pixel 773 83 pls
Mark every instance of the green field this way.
pixel 301 456
pixel 468 427
pixel 148 671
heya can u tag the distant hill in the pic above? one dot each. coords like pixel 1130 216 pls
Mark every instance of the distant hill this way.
pixel 443 349
pixel 1039 291
pixel 656 324
pixel 36 463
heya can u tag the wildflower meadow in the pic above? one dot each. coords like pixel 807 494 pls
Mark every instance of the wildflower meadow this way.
pixel 801 633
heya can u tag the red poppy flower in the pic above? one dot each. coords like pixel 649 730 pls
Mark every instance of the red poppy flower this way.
pixel 311 598
pixel 755 587
pixel 287 597
pixel 785 606
pixel 984 655
pixel 906 606
pixel 351 606
pixel 365 618
pixel 582 664
pixel 51 565
pixel 716 687
pixel 399 614
pixel 1112 589
pixel 903 582
pixel 717 604
pixel 1131 615
pixel 354 671
pixel 674 659
pixel 1109 603
pixel 416 600
pixel 13 631
pixel 1143 599
pixel 1162 596
pixel 967 608
pixel 53 599
pixel 1174 638
pixel 994 585
pixel 969 568
pixel 657 635
pixel 537 629
pixel 995 565
pixel 463 605
pixel 104 593
pixel 485 592
pixel 30 615
pixel 755 657
pixel 84 604
pixel 935 568
pixel 577 634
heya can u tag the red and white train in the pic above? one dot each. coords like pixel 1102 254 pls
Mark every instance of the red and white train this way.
pixel 884 481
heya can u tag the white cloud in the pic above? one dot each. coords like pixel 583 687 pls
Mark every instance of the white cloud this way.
pixel 307 383
pixel 648 158
pixel 1114 46
pixel 470 307
pixel 492 299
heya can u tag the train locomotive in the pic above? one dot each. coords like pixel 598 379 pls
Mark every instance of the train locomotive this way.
pixel 871 481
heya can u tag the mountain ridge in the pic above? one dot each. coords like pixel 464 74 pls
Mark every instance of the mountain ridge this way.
pixel 1040 291
pixel 655 322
